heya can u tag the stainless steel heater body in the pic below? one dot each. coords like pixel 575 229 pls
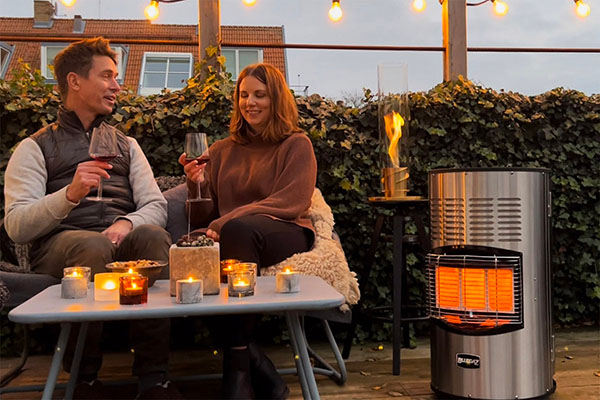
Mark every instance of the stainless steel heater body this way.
pixel 489 283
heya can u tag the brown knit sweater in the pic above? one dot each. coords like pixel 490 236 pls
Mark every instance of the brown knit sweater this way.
pixel 257 178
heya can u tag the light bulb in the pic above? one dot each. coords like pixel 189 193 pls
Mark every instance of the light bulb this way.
pixel 151 11
pixel 582 9
pixel 68 3
pixel 500 8
pixel 249 2
pixel 419 5
pixel 335 12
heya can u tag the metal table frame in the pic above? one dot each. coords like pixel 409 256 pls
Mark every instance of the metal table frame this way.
pixel 48 307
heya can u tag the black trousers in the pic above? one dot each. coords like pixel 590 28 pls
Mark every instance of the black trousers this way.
pixel 264 241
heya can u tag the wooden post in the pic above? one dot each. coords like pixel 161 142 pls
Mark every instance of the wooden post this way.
pixel 454 27
pixel 209 28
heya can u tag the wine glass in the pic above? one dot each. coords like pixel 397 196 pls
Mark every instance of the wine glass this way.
pixel 196 149
pixel 103 147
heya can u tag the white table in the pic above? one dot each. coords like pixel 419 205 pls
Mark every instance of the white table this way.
pixel 48 307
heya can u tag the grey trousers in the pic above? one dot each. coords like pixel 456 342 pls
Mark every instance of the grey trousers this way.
pixel 149 338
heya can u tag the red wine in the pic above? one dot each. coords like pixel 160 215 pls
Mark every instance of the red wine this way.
pixel 103 158
pixel 201 160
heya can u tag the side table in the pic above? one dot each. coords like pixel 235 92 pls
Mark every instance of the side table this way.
pixel 401 208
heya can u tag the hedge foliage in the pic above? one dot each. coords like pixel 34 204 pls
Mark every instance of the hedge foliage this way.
pixel 455 124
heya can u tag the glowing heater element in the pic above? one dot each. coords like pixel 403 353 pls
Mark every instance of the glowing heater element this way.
pixel 335 12
pixel 68 3
pixel 500 7
pixel 249 2
pixel 582 9
pixel 393 129
pixel 419 5
pixel 151 11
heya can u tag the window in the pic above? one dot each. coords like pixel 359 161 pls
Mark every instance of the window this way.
pixel 49 52
pixel 165 71
pixel 237 59
pixel 6 51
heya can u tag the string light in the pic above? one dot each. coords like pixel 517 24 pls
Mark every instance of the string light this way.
pixel 68 3
pixel 582 9
pixel 335 12
pixel 249 2
pixel 151 11
pixel 419 5
pixel 500 7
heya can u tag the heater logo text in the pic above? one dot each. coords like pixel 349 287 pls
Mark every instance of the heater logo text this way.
pixel 467 360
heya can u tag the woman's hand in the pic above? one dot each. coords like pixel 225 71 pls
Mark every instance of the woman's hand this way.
pixel 213 235
pixel 193 171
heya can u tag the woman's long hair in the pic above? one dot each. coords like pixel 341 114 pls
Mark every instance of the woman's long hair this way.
pixel 284 114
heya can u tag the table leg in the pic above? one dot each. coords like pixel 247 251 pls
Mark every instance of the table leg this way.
pixel 76 360
pixel 59 352
pixel 398 260
pixel 303 353
pixel 299 367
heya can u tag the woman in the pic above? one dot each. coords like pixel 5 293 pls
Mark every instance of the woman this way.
pixel 260 179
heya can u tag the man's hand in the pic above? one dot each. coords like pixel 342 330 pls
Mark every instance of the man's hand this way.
pixel 117 231
pixel 213 235
pixel 87 176
pixel 193 171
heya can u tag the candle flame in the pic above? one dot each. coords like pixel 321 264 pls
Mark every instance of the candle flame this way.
pixel 75 274
pixel 393 129
pixel 287 270
pixel 109 285
pixel 130 271
pixel 134 286
pixel 241 282
pixel 190 279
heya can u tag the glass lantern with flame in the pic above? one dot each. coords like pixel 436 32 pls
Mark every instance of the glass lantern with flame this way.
pixel 393 116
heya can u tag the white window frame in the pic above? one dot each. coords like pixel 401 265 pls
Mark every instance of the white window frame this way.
pixel 145 91
pixel 10 50
pixel 234 74
pixel 122 55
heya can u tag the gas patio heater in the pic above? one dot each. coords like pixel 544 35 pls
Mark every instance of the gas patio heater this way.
pixel 489 283
pixel 393 115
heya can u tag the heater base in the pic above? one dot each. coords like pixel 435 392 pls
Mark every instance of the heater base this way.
pixel 444 395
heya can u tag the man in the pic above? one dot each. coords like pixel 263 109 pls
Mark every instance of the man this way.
pixel 46 183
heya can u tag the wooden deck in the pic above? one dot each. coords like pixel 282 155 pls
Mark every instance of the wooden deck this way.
pixel 369 371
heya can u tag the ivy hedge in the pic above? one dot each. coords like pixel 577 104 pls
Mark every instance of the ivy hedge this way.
pixel 455 124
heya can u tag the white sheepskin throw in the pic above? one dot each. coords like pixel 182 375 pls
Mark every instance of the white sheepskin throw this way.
pixel 326 259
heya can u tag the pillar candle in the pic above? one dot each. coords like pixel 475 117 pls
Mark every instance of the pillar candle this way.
pixel 287 281
pixel 188 291
pixel 73 287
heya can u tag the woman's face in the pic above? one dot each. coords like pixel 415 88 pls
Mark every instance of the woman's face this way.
pixel 255 103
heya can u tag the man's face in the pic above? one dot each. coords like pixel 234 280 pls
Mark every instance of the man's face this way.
pixel 97 92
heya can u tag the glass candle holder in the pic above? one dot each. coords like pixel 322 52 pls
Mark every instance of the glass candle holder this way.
pixel 287 281
pixel 85 272
pixel 133 289
pixel 73 287
pixel 247 267
pixel 227 267
pixel 106 286
pixel 240 283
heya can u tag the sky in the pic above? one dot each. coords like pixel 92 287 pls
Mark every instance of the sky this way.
pixel 343 74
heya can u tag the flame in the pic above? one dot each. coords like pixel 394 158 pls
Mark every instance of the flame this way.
pixel 130 271
pixel 109 285
pixel 134 286
pixel 287 270
pixel 190 279
pixel 393 129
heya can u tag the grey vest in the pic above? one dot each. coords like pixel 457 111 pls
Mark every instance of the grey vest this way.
pixel 65 144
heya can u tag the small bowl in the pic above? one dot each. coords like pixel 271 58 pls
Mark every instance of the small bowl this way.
pixel 147 268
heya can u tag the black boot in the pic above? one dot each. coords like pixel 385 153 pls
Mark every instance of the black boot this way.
pixel 237 383
pixel 267 382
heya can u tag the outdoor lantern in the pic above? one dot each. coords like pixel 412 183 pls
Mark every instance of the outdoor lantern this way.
pixel 393 116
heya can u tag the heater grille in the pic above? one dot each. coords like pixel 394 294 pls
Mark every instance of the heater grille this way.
pixel 475 292
pixel 448 220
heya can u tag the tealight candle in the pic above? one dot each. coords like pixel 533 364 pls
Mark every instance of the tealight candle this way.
pixel 73 287
pixel 287 281
pixel 188 291
pixel 247 267
pixel 133 289
pixel 240 283
pixel 106 286
pixel 227 267
pixel 85 272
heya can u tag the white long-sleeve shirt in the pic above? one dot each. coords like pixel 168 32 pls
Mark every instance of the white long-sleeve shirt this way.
pixel 31 213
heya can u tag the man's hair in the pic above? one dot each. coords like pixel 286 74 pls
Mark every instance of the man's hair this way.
pixel 283 119
pixel 78 57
